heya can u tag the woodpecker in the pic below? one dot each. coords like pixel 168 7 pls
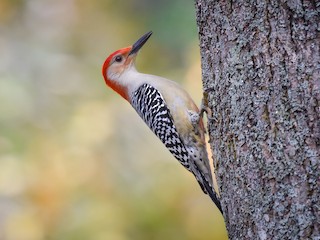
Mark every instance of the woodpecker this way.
pixel 166 108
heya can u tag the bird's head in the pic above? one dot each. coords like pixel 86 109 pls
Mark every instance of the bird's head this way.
pixel 120 61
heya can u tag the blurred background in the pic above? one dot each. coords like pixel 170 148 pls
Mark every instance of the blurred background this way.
pixel 76 161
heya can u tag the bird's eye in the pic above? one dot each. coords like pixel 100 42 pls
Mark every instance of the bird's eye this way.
pixel 118 58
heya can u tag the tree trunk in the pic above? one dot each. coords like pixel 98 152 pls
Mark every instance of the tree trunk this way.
pixel 261 70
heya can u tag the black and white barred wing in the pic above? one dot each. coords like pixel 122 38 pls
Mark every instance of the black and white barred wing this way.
pixel 152 108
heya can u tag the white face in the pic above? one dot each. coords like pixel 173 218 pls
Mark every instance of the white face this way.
pixel 122 71
pixel 117 66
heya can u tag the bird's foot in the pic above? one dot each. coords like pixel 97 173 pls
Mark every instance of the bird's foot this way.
pixel 205 108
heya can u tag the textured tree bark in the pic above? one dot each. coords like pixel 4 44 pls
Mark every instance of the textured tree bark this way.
pixel 261 69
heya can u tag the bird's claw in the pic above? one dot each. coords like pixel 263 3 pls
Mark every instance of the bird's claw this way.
pixel 205 108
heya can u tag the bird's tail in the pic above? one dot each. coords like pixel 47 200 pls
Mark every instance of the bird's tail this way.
pixel 204 179
pixel 212 193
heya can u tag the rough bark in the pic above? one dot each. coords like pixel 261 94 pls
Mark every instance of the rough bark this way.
pixel 261 69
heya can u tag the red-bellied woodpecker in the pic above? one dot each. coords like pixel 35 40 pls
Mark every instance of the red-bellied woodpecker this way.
pixel 166 108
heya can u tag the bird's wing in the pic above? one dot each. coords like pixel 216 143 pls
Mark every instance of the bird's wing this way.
pixel 152 108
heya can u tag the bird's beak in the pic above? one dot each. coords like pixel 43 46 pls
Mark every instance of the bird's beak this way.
pixel 138 44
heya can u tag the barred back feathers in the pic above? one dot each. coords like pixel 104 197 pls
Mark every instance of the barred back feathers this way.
pixel 151 107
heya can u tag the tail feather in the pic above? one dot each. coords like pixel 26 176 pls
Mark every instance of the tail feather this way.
pixel 211 192
pixel 207 187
